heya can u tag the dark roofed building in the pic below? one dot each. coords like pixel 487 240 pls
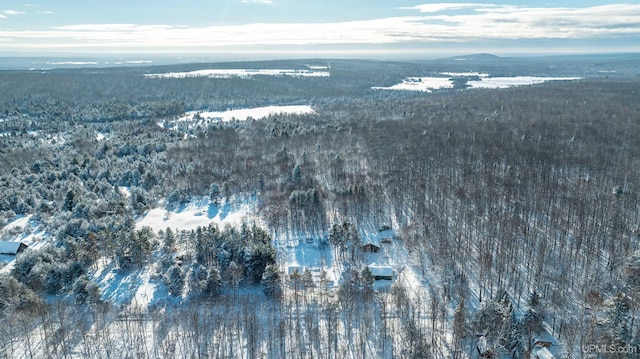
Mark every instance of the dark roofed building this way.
pixel 370 248
pixel 12 248
pixel 381 272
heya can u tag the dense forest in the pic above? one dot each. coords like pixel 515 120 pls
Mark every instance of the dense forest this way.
pixel 518 209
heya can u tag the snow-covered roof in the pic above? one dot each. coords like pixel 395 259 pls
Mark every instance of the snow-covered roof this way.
pixel 377 237
pixel 545 337
pixel 7 247
pixel 381 271
pixel 544 353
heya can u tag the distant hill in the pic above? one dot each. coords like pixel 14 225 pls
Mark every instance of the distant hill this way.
pixel 474 57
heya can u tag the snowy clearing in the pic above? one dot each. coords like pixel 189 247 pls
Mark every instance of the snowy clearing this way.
pixel 199 213
pixel 242 73
pixel 20 222
pixel 73 63
pixel 424 84
pixel 464 74
pixel 505 82
pixel 428 84
pixel 200 117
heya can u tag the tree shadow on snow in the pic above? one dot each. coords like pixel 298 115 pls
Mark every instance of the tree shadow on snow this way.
pixel 213 210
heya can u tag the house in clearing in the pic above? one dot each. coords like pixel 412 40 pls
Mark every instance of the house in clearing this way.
pixel 370 248
pixel 12 248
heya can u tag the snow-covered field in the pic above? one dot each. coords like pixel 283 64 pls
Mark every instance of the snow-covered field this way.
pixel 204 117
pixel 73 63
pixel 428 84
pixel 199 213
pixel 424 84
pixel 312 71
pixel 505 82
pixel 465 74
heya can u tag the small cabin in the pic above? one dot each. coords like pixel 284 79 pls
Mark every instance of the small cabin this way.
pixel 381 273
pixel 543 344
pixel 12 248
pixel 294 269
pixel 370 248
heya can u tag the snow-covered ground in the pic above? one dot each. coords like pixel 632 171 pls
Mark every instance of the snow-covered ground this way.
pixel 200 119
pixel 137 289
pixel 204 117
pixel 73 63
pixel 241 73
pixel 424 84
pixel 428 84
pixel 199 212
pixel 312 251
pixel 465 74
pixel 505 82
pixel 142 288
pixel 28 232
pixel 133 62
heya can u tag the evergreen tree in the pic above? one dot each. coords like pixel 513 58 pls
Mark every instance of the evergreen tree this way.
pixel 175 280
pixel 534 317
pixel 272 281
pixel 256 260
pixel 55 278
pixel 169 240
pixel 213 284
pixel 69 201
pixel 460 320
pixel 85 291
pixel 198 279
pixel 307 279
pixel 296 175
pixel 214 193
pixel 366 283
pixel 520 342
pixel 494 320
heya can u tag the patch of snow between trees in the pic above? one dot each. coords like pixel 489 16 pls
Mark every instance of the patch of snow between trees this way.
pixel 199 212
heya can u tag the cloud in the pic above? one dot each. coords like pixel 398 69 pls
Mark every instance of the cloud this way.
pixel 265 2
pixel 440 7
pixel 46 12
pixel 13 12
pixel 433 24
pixel 113 28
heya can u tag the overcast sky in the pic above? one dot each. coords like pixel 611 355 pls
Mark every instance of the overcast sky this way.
pixel 317 28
